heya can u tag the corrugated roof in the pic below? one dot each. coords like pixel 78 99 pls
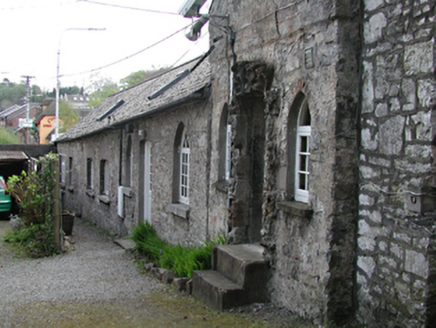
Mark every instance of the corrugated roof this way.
pixel 12 155
pixel 136 103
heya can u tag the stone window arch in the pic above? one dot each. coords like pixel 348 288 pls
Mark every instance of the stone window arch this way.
pixel 298 138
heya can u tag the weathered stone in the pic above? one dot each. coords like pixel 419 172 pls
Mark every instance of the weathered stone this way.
pixel 374 28
pixel 180 283
pixel 418 58
pixel 367 264
pixel 416 263
pixel 391 132
pixel 368 88
pixel 427 93
pixel 369 141
pixel 167 276
pixel 373 4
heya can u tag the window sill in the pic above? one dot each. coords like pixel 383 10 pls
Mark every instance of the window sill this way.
pixel 128 192
pixel 222 185
pixel 180 210
pixel 294 208
pixel 70 188
pixel 104 199
pixel 90 193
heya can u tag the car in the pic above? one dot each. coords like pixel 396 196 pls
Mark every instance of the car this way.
pixel 5 199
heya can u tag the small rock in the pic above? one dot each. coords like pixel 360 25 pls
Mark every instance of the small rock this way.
pixel 180 283
pixel 148 266
pixel 167 276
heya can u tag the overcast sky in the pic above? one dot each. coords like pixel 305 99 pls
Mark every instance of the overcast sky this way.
pixel 32 33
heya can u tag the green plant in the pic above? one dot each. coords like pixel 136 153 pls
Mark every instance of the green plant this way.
pixel 34 195
pixel 182 260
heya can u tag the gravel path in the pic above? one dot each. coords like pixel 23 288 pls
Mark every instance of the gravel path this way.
pixel 97 270
pixel 98 285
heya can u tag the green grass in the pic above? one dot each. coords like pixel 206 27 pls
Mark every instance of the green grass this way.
pixel 7 137
pixel 180 259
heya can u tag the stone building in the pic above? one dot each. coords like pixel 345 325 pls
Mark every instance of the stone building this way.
pixel 313 134
pixel 127 160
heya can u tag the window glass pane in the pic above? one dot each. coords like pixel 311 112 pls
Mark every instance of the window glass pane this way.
pixel 303 162
pixel 303 145
pixel 302 178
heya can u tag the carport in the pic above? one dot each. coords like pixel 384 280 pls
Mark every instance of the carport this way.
pixel 12 162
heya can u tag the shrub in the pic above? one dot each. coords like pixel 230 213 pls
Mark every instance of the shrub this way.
pixel 34 195
pixel 182 260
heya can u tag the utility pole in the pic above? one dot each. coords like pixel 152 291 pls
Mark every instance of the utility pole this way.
pixel 27 124
pixel 27 77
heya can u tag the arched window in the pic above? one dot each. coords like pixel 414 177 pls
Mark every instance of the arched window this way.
pixel 224 146
pixel 184 170
pixel 302 155
pixel 181 157
pixel 298 150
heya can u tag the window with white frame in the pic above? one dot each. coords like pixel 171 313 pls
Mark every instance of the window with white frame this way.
pixel 184 170
pixel 63 169
pixel 302 154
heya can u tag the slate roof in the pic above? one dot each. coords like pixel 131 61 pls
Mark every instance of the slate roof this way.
pixel 49 111
pixel 134 103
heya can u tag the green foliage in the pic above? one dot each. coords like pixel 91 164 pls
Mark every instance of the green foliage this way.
pixel 36 240
pixel 138 77
pixel 11 93
pixel 7 137
pixel 182 260
pixel 68 116
pixel 100 90
pixel 34 195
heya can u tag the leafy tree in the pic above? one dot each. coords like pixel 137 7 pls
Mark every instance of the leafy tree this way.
pixel 68 116
pixel 11 93
pixel 7 137
pixel 100 90
pixel 138 77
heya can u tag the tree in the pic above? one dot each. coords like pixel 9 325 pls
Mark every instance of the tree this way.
pixel 11 93
pixel 68 116
pixel 138 77
pixel 100 90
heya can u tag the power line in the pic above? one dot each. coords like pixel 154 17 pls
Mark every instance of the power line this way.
pixel 38 6
pixel 131 8
pixel 126 58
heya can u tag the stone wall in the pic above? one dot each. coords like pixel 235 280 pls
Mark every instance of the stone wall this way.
pixel 186 227
pixel 305 45
pixel 396 227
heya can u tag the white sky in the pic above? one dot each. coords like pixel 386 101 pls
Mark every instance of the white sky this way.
pixel 31 34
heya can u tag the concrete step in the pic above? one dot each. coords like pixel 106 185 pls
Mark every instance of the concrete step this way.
pixel 243 264
pixel 216 291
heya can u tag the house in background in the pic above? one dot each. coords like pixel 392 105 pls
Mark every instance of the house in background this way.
pixel 14 119
pixel 45 121
pixel 77 102
pixel 312 133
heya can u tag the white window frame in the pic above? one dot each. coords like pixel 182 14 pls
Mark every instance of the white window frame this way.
pixel 184 170
pixel 303 131
pixel 228 151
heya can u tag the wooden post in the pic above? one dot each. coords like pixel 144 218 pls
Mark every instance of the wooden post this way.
pixel 57 206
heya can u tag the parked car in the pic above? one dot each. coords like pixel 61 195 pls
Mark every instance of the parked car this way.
pixel 5 199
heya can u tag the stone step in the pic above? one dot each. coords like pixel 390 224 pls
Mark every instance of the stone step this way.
pixel 217 291
pixel 243 264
